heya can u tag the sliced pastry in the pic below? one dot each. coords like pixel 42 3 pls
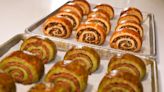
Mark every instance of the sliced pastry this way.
pixel 126 17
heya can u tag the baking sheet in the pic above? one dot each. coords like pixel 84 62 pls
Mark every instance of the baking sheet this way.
pixel 149 39
pixel 150 83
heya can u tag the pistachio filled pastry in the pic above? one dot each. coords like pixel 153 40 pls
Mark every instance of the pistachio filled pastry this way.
pixel 44 48
pixel 50 87
pixel 126 39
pixel 120 81
pixel 92 33
pixel 69 73
pixel 129 63
pixel 23 67
pixel 107 8
pixel 86 56
pixel 7 83
pixel 57 26
pixel 132 11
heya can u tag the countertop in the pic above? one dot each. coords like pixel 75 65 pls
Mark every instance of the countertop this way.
pixel 16 15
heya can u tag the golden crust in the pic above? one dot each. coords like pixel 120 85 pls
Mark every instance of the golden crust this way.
pixel 53 24
pixel 124 32
pixel 126 17
pixel 91 33
pixel 108 8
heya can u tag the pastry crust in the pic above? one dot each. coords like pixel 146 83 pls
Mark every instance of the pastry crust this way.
pixel 58 27
pixel 127 17
pixel 120 81
pixel 126 39
pixel 44 48
pixel 133 11
pixel 23 67
pixel 91 33
pixel 131 25
pixel 108 8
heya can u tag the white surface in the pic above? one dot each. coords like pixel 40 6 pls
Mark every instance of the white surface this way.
pixel 16 15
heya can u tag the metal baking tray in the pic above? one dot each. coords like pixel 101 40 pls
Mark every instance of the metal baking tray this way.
pixel 150 83
pixel 149 39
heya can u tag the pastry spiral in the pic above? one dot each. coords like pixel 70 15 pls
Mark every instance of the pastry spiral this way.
pixel 126 39
pixel 70 72
pixel 131 25
pixel 124 18
pixel 23 67
pixel 129 63
pixel 133 11
pixel 45 49
pixel 91 33
pixel 86 56
pixel 84 5
pixel 120 81
pixel 108 8
pixel 7 83
pixel 58 27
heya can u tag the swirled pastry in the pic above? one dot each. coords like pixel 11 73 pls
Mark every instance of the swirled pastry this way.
pixel 84 5
pixel 92 33
pixel 72 7
pixel 108 8
pixel 126 39
pixel 131 25
pixel 126 17
pixel 129 63
pixel 69 72
pixel 7 83
pixel 120 81
pixel 57 26
pixel 133 11
pixel 24 68
pixel 86 56
pixel 45 49
pixel 100 20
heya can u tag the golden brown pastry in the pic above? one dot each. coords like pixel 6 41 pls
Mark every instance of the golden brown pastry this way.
pixel 120 81
pixel 126 39
pixel 133 11
pixel 68 72
pixel 127 17
pixel 84 5
pixel 92 33
pixel 7 83
pixel 102 21
pixel 72 16
pixel 57 26
pixel 23 67
pixel 129 63
pixel 131 25
pixel 86 56
pixel 108 8
pixel 44 48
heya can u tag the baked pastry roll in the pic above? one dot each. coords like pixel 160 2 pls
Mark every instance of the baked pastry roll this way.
pixel 44 48
pixel 50 87
pixel 92 33
pixel 84 5
pixel 108 8
pixel 7 83
pixel 68 72
pixel 100 20
pixel 57 26
pixel 133 11
pixel 126 17
pixel 72 16
pixel 120 81
pixel 72 7
pixel 99 12
pixel 129 63
pixel 131 25
pixel 86 56
pixel 126 39
pixel 23 67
